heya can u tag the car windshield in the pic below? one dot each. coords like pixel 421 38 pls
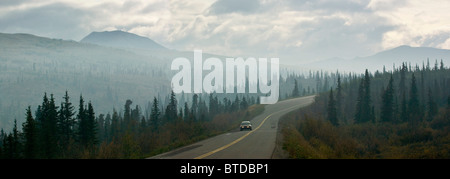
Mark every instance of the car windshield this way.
pixel 245 123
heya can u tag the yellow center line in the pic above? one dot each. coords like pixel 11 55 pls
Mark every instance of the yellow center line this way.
pixel 240 138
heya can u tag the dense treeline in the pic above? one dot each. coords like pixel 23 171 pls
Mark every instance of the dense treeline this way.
pixel 403 113
pixel 296 85
pixel 62 132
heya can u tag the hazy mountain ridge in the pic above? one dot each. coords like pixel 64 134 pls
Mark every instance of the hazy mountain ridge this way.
pixel 122 39
pixel 398 55
pixel 31 65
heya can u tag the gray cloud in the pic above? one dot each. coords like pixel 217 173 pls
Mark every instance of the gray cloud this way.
pixel 54 20
pixel 237 6
pixel 329 6
pixel 11 2
pixel 291 29
pixel 332 37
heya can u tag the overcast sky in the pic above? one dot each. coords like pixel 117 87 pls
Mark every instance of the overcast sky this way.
pixel 295 30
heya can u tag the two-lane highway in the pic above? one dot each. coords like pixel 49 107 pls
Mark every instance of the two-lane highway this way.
pixel 256 144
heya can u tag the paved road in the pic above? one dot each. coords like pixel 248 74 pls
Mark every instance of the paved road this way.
pixel 256 144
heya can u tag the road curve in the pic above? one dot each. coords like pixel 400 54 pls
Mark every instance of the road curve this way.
pixel 256 144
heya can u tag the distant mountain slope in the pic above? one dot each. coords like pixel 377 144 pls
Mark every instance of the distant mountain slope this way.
pixel 121 39
pixel 31 65
pixel 413 55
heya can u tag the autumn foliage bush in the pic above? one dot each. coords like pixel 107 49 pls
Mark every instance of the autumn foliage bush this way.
pixel 308 136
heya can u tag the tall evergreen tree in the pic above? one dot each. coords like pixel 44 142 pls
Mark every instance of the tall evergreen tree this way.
pixel 82 123
pixel 235 105
pixel 331 110
pixel 107 128
pixel 213 105
pixel 91 127
pixel 359 103
pixel 171 109
pixel 135 117
pixel 402 84
pixel 364 112
pixel 48 128
pixel 367 102
pixel 414 105
pixel 66 122
pixel 387 108
pixel 15 144
pixel 127 115
pixel 339 97
pixel 244 103
pixel 202 110
pixel 154 115
pixel 87 126
pixel 30 135
pixel 115 126
pixel 194 106
pixel 295 92
pixel 186 111
pixel 8 147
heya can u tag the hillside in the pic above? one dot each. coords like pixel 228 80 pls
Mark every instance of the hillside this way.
pixel 31 65
pixel 121 39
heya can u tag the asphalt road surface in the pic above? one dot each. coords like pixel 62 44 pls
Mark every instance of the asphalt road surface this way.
pixel 256 144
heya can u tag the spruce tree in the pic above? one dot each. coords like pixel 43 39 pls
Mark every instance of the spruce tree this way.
pixel 107 128
pixel 115 126
pixel 66 122
pixel 186 111
pixel 91 127
pixel 87 130
pixel 194 106
pixel 359 103
pixel 367 107
pixel 100 123
pixel 48 128
pixel 413 105
pixel 364 112
pixel 16 145
pixel 331 110
pixel 235 106
pixel 127 115
pixel 244 103
pixel 30 135
pixel 82 123
pixel 213 105
pixel 154 115
pixel 135 116
pixel 295 92
pixel 8 147
pixel 387 107
pixel 402 84
pixel 339 97
pixel 171 109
